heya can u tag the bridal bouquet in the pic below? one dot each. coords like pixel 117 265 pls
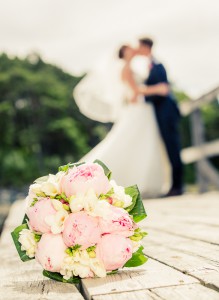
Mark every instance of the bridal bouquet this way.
pixel 81 224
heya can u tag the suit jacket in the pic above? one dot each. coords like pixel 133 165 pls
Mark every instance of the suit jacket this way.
pixel 156 75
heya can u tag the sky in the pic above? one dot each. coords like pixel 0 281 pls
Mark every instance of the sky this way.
pixel 77 34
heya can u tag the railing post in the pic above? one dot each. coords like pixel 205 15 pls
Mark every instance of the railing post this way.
pixel 198 138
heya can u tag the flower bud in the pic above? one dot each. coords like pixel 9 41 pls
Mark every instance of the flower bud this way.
pixel 119 204
pixel 92 254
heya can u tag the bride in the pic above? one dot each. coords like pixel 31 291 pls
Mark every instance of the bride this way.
pixel 133 149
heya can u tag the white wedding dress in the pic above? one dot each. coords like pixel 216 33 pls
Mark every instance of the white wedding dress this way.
pixel 133 149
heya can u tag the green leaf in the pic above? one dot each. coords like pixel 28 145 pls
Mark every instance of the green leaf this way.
pixel 107 172
pixel 35 200
pixel 138 258
pixel 37 237
pixel 113 272
pixel 72 249
pixel 107 195
pixel 59 277
pixel 25 219
pixel 91 248
pixel 65 168
pixel 138 212
pixel 133 192
pixel 15 235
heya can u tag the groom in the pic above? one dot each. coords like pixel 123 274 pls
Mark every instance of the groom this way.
pixel 156 91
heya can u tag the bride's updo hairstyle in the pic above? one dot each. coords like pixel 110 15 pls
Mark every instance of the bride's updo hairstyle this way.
pixel 121 52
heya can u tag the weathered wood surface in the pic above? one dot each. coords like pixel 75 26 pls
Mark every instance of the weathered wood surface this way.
pixel 20 280
pixel 206 174
pixel 4 209
pixel 193 154
pixel 183 251
pixel 185 292
pixel 184 254
pixel 151 275
pixel 189 106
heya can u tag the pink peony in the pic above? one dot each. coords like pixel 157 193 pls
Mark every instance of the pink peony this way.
pixel 119 222
pixel 79 180
pixel 38 213
pixel 81 229
pixel 50 252
pixel 114 251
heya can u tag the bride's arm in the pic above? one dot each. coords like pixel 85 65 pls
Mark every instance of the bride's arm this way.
pixel 127 77
pixel 161 89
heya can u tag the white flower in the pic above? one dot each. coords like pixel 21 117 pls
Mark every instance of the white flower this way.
pixel 81 270
pixel 119 195
pixel 97 267
pixel 81 264
pixel 28 242
pixel 44 186
pixel 77 203
pixel 57 204
pixel 56 221
pixel 51 186
pixel 34 190
pixel 91 204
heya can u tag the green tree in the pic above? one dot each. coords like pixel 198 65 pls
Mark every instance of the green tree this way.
pixel 40 124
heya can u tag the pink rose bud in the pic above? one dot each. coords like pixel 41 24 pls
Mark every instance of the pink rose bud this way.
pixel 114 251
pixel 50 252
pixel 81 229
pixel 118 222
pixel 79 180
pixel 38 213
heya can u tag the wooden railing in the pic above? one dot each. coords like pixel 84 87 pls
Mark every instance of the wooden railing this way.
pixel 199 152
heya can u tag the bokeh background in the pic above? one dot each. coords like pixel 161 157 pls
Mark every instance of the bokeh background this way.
pixel 47 46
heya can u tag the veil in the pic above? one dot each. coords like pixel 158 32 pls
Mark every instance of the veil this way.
pixel 101 94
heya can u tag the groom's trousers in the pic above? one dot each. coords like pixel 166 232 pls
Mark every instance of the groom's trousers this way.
pixel 168 116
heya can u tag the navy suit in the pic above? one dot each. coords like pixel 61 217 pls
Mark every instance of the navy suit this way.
pixel 168 115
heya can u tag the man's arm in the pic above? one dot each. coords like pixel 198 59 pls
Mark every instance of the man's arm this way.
pixel 159 84
pixel 161 89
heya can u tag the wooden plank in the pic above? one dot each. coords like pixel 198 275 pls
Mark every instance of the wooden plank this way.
pixel 24 280
pixel 178 241
pixel 134 295
pixel 172 255
pixel 179 292
pixel 193 154
pixel 188 106
pixel 185 292
pixel 38 290
pixel 152 274
pixel 16 214
pixel 4 209
pixel 173 215
pixel 202 232
pixel 210 252
pixel 206 271
pixel 198 138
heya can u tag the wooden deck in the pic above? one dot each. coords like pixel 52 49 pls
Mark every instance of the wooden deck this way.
pixel 183 251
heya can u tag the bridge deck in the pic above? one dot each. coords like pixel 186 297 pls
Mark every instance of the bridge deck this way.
pixel 183 251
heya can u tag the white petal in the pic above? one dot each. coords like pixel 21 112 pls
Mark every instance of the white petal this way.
pixel 57 204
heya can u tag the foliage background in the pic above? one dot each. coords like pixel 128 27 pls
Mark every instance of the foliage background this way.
pixel 42 128
pixel 40 124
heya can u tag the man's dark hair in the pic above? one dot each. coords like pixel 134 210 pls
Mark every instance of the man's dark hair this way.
pixel 146 42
